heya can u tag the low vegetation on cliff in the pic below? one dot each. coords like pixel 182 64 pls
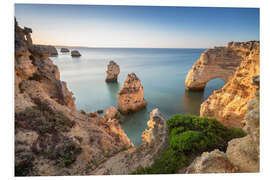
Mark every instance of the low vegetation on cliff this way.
pixel 190 136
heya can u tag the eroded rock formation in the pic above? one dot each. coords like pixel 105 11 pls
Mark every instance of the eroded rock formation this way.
pixel 64 50
pixel 229 104
pixel 154 141
pixel 113 71
pixel 242 154
pixel 51 137
pixel 218 62
pixel 75 53
pixel 130 97
pixel 212 162
pixel 111 113
pixel 44 50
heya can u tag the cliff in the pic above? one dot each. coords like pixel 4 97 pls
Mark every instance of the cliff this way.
pixel 229 104
pixel 242 154
pixel 51 136
pixel 218 62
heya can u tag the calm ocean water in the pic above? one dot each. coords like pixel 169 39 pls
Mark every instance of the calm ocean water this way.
pixel 162 73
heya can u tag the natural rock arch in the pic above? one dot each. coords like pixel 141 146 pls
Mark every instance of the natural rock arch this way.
pixel 218 62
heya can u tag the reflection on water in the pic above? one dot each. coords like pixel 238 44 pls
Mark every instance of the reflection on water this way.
pixel 192 101
pixel 162 73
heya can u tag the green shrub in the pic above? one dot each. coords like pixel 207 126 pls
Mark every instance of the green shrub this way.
pixel 188 137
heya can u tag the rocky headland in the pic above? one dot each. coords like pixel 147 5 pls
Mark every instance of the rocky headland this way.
pixel 51 136
pixel 218 62
pixel 75 53
pixel 130 97
pixel 113 71
pixel 229 104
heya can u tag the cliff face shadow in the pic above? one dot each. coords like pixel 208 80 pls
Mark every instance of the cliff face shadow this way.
pixel 192 101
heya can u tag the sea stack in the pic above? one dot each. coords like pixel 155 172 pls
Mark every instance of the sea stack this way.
pixel 75 53
pixel 113 71
pixel 130 97
pixel 64 50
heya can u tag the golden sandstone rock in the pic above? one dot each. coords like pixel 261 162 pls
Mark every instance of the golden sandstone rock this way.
pixel 130 97
pixel 242 154
pixel 229 104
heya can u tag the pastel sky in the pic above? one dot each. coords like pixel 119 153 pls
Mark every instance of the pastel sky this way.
pixel 138 26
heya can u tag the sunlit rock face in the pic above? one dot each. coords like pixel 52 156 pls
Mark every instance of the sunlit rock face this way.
pixel 111 113
pixel 229 104
pixel 154 141
pixel 242 154
pixel 218 62
pixel 113 71
pixel 157 128
pixel 245 152
pixel 130 97
pixel 51 137
pixel 211 162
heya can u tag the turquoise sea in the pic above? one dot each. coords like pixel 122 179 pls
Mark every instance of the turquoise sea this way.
pixel 162 73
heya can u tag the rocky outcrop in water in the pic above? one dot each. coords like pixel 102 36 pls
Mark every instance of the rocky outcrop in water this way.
pixel 111 113
pixel 229 104
pixel 130 97
pixel 75 53
pixel 218 62
pixel 242 154
pixel 113 71
pixel 44 50
pixel 51 137
pixel 154 141
pixel 64 50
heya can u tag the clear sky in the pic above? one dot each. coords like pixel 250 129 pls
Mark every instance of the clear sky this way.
pixel 138 26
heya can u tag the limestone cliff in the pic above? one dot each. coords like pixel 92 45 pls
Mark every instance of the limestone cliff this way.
pixel 242 154
pixel 130 97
pixel 51 136
pixel 229 104
pixel 218 62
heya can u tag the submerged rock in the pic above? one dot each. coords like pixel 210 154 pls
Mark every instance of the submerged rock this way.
pixel 130 97
pixel 75 53
pixel 113 71
pixel 64 50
